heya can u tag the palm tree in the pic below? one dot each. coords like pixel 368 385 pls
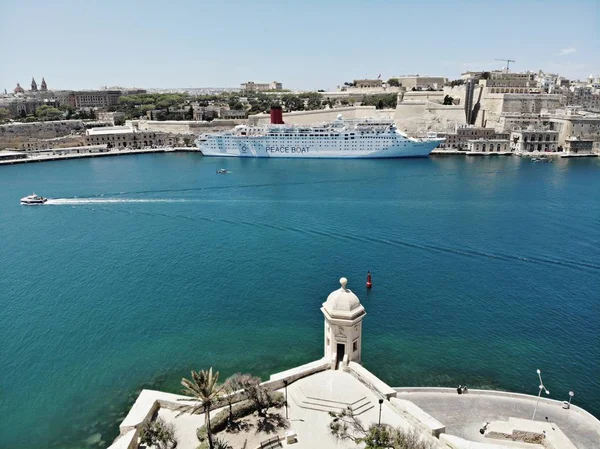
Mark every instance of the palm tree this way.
pixel 203 388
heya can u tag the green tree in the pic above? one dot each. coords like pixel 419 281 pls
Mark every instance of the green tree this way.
pixel 4 115
pixel 346 426
pixel 261 396
pixel 292 102
pixel 46 112
pixel 203 388
pixel 238 106
pixel 232 385
pixel 394 82
pixel 157 433
pixel 190 113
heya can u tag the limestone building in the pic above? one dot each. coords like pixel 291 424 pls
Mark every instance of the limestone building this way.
pixel 534 140
pixel 251 86
pixel 570 124
pixel 366 83
pixel 575 145
pixel 127 137
pixel 94 98
pixel 459 139
pixel 343 314
pixel 421 82
pixel 488 146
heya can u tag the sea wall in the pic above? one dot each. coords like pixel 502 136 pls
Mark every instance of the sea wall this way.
pixel 183 126
pixel 13 135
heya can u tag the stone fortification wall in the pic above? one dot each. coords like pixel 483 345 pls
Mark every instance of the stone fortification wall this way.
pixel 13 135
pixel 318 116
pixel 183 126
pixel 496 104
pixel 420 117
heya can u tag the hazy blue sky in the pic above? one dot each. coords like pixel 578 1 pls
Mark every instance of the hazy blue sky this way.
pixel 304 44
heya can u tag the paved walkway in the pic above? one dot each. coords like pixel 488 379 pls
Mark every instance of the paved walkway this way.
pixel 464 415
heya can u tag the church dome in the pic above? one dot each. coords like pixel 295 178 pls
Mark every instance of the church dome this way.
pixel 19 89
pixel 342 303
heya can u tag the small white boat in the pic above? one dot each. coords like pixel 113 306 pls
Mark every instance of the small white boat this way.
pixel 33 200
pixel 222 171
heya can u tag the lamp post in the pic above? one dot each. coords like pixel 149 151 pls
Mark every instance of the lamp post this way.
pixel 539 393
pixel 571 394
pixel 285 384
pixel 380 404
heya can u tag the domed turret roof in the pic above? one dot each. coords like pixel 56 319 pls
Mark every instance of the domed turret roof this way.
pixel 342 303
pixel 19 89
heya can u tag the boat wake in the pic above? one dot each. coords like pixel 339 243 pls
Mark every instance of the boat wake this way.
pixel 85 201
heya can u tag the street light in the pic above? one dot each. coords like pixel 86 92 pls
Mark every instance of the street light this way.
pixel 380 404
pixel 539 394
pixel 571 394
pixel 285 383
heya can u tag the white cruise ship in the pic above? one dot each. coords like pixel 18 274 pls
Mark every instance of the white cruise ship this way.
pixel 342 138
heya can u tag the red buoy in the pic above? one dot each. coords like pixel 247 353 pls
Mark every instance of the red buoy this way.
pixel 369 283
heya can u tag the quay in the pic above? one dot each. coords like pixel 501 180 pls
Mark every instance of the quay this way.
pixel 337 382
pixel 14 157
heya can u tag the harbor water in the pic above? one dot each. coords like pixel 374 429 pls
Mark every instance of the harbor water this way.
pixel 141 268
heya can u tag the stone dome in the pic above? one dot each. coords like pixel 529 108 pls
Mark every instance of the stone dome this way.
pixel 342 303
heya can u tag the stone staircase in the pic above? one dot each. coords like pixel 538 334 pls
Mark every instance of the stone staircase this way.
pixel 359 405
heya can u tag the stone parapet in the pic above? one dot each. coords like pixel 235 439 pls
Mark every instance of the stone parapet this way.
pixel 379 387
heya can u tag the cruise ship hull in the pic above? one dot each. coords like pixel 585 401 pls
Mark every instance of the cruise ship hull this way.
pixel 245 148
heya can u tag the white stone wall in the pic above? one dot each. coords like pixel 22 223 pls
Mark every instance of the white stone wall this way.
pixel 318 116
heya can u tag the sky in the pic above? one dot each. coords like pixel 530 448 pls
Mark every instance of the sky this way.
pixel 308 44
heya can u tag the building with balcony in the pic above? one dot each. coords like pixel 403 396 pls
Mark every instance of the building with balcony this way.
pixel 534 140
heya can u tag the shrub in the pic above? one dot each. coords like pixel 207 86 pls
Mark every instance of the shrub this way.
pixel 239 410
pixel 157 433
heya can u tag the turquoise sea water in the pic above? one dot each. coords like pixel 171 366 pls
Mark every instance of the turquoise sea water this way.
pixel 144 267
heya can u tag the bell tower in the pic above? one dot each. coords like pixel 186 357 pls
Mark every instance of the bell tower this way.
pixel 343 314
pixel 33 85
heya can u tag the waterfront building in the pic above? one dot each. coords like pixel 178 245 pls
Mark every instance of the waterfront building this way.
pixel 575 145
pixel 127 137
pixel 569 124
pixel 534 140
pixel 251 86
pixel 463 133
pixel 488 146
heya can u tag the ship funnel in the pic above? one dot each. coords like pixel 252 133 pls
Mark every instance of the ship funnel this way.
pixel 276 115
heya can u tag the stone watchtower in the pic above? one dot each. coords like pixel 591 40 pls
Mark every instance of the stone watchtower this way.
pixel 343 326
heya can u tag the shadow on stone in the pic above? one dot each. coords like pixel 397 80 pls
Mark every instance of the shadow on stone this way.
pixel 271 423
pixel 239 426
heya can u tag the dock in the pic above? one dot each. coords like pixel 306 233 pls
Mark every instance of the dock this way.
pixel 86 154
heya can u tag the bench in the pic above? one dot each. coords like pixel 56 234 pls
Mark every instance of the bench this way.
pixel 270 443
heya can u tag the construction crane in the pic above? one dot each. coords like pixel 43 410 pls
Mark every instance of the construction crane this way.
pixel 508 61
